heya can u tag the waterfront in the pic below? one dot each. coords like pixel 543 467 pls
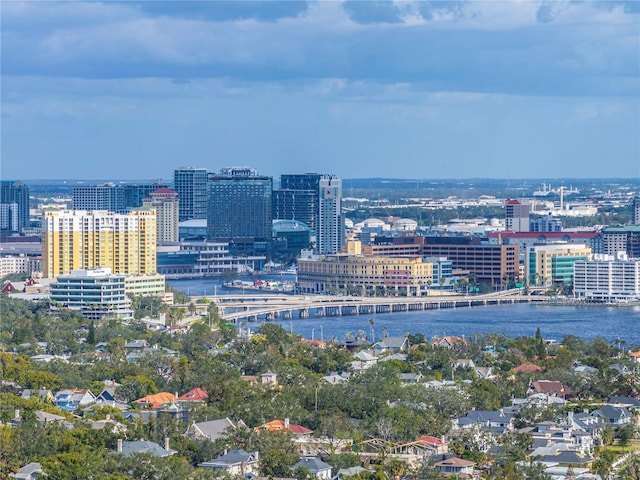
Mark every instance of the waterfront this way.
pixel 587 322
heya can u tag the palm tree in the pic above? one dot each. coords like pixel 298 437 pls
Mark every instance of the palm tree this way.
pixel 371 331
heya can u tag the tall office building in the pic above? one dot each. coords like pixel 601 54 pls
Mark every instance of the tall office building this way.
pixel 81 240
pixel 636 211
pixel 516 217
pixel 112 197
pixel 239 208
pixel 316 200
pixel 165 201
pixel 14 197
pixel 191 185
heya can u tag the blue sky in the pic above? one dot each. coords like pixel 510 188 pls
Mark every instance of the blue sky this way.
pixel 448 89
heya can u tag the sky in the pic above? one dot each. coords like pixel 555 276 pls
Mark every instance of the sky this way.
pixel 359 89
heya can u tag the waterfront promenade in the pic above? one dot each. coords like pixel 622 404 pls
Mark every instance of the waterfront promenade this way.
pixel 272 307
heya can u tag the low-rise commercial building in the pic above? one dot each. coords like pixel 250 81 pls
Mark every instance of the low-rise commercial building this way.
pixel 364 274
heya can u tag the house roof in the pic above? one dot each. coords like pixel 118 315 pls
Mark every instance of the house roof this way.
pixel 313 464
pixel 550 387
pixel 234 457
pixel 157 400
pixel 145 446
pixel 195 395
pixel 27 471
pixel 43 416
pixel 447 340
pixel 279 425
pixel 454 462
pixel 609 411
pixel 433 441
pixel 213 428
pixel 528 368
pixel 393 342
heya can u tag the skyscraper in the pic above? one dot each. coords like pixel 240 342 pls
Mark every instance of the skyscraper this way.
pixel 165 201
pixel 112 197
pixel 239 208
pixel 14 198
pixel 636 211
pixel 316 200
pixel 80 240
pixel 191 185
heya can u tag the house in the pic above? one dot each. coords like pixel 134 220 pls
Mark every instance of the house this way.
pixel 137 345
pixel 635 356
pixel 235 462
pixel 425 445
pixel 629 402
pixel 108 423
pixel 620 369
pixel 348 472
pixel 614 416
pixel 44 394
pixel 157 400
pixel 269 378
pixel 194 396
pixel 212 430
pixel 46 417
pixel 317 467
pixel 448 341
pixel 144 446
pixel 281 426
pixel 464 363
pixel 455 465
pixel 175 412
pixel 411 377
pixel 550 387
pixel 528 368
pixel 334 379
pixel 30 471
pixel 392 344
pixel 484 372
pixel 497 422
pixel 72 399
pixel 394 356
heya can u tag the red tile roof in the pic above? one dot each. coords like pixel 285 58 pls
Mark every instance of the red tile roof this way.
pixel 195 395
pixel 528 368
pixel 158 400
pixel 430 440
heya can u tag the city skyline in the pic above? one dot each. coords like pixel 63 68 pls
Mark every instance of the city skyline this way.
pixel 134 90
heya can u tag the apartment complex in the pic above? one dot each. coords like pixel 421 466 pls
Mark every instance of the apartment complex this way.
pixel 330 273
pixel 95 293
pixel 166 203
pixel 112 197
pixel 554 263
pixel 14 206
pixel 191 185
pixel 315 200
pixel 81 240
pixel 605 278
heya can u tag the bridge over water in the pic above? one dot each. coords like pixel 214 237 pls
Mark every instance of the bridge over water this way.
pixel 271 307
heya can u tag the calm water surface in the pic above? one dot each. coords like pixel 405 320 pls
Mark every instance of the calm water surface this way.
pixel 555 322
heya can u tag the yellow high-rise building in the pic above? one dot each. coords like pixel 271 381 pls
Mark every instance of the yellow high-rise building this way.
pixel 81 240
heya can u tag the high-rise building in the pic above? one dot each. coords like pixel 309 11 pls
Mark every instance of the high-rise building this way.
pixel 605 278
pixel 191 185
pixel 112 197
pixel 622 239
pixel 545 223
pixel 81 240
pixel 636 211
pixel 516 217
pixel 330 221
pixel 165 201
pixel 315 200
pixel 239 208
pixel 15 195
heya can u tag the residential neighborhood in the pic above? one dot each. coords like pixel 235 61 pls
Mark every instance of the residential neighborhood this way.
pixel 211 403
